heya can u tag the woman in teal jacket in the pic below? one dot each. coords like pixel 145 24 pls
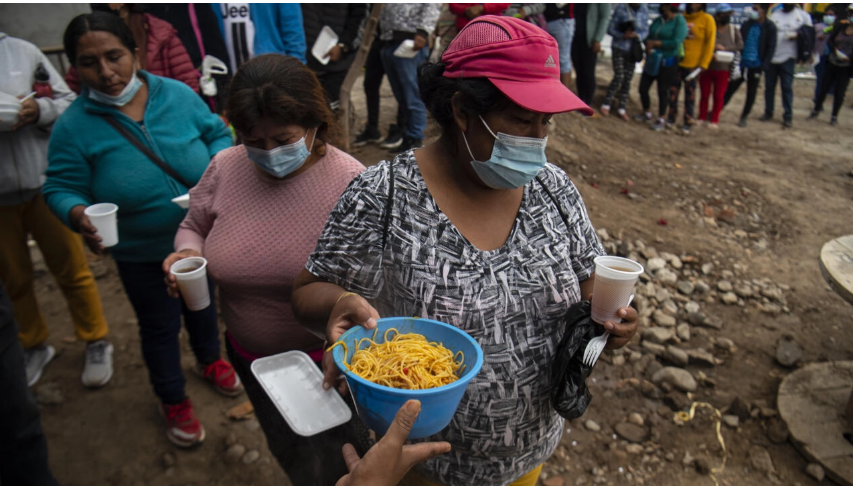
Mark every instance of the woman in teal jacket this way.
pixel 90 161
pixel 666 34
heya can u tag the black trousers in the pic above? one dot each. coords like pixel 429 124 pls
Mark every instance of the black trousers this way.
pixel 840 75
pixel 666 78
pixel 331 82
pixel 584 62
pixel 23 449
pixel 374 73
pixel 751 77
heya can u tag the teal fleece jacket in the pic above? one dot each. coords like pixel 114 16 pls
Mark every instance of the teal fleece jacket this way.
pixel 671 33
pixel 90 162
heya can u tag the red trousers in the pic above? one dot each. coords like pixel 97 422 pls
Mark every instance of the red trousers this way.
pixel 707 79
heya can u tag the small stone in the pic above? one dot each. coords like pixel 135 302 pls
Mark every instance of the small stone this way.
pixel 662 319
pixel 592 426
pixel 676 356
pixel 655 264
pixel 631 432
pixel 649 253
pixel 230 440
pixel 706 268
pixel 770 308
pixel 634 449
pixel 700 357
pixel 669 457
pixel 787 351
pixel 636 419
pixel 634 356
pixel 761 460
pixel 777 431
pixel 676 377
pixel 815 471
pixel 730 420
pixel 768 413
pixel 648 290
pixel 683 331
pixel 251 457
pixel 701 286
pixel 740 408
pixel 49 394
pixel 652 347
pixel 725 344
pixel 724 286
pixel 169 459
pixel 743 290
pixel 661 295
pixel 252 425
pixel 771 293
pixel 666 276
pixel 687 459
pixel 603 235
pixel 582 480
pixel 692 307
pixel 669 307
pixel 235 452
pixel 701 464
pixel 685 287
pixel 618 360
pixel 675 261
pixel 713 322
pixel 555 481
pixel 649 390
pixel 729 298
pixel 658 335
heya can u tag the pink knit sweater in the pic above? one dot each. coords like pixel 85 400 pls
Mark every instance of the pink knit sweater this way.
pixel 256 233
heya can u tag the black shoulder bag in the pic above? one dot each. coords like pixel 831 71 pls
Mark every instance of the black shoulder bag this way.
pixel 147 152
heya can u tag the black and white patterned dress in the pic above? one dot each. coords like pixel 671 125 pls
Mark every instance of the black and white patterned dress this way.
pixel 511 300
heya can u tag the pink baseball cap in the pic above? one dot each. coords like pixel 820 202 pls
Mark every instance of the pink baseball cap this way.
pixel 519 58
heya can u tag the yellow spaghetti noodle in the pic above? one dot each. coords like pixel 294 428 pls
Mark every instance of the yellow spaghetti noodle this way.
pixel 406 361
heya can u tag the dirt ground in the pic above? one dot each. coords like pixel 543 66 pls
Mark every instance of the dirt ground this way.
pixel 791 190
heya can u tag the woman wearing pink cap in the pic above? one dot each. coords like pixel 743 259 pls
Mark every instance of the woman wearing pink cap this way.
pixel 476 230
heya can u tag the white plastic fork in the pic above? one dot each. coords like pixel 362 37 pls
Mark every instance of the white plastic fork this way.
pixel 597 344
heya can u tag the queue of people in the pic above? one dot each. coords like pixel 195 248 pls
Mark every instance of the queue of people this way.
pixel 352 245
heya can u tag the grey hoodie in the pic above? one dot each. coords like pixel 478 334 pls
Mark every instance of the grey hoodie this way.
pixel 24 153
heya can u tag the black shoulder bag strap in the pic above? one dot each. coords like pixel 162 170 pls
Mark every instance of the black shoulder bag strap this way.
pixel 144 149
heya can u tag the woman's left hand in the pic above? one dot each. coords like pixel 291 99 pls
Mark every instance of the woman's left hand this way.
pixel 621 333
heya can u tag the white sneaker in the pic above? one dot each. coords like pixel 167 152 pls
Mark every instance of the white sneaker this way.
pixel 98 364
pixel 35 360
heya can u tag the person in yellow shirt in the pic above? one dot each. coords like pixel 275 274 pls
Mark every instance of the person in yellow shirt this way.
pixel 699 46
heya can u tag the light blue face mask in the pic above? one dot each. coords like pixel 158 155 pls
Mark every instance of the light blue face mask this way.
pixel 124 97
pixel 754 14
pixel 514 162
pixel 828 19
pixel 282 160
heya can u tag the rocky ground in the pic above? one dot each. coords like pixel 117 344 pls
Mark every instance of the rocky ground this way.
pixel 728 224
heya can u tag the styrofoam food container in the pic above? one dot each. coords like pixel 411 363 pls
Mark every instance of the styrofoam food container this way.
pixel 182 200
pixel 295 386
pixel 326 40
pixel 405 49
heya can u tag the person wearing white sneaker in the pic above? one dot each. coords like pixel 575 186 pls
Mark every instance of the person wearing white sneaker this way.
pixel 24 214
pixel 98 364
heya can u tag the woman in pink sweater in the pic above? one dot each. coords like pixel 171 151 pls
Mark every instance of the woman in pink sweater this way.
pixel 256 216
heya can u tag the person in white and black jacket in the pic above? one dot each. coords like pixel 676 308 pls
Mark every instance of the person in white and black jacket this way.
pixel 400 22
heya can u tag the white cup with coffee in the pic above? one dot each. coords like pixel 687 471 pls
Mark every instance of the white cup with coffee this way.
pixel 614 286
pixel 103 216
pixel 191 274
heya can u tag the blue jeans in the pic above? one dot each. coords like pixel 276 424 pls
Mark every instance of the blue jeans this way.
pixel 159 326
pixel 783 71
pixel 563 30
pixel 404 79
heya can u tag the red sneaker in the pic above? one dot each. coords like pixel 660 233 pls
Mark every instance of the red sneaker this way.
pixel 223 377
pixel 184 429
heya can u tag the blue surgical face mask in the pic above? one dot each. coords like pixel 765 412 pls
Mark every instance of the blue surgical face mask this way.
pixel 514 162
pixel 124 97
pixel 828 19
pixel 282 160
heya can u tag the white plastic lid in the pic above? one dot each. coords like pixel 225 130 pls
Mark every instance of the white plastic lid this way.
pixel 295 385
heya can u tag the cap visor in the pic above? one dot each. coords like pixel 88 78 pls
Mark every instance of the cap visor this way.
pixel 548 96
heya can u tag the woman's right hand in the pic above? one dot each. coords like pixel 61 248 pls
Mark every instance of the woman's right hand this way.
pixel 349 311
pixel 81 223
pixel 170 279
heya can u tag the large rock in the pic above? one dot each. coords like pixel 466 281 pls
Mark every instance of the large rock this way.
pixel 676 377
pixel 662 319
pixel 631 432
pixel 658 335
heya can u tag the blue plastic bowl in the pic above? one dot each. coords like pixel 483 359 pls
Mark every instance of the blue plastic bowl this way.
pixel 377 405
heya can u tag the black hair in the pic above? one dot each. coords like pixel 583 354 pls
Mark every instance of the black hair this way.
pixel 674 9
pixel 480 95
pixel 96 21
